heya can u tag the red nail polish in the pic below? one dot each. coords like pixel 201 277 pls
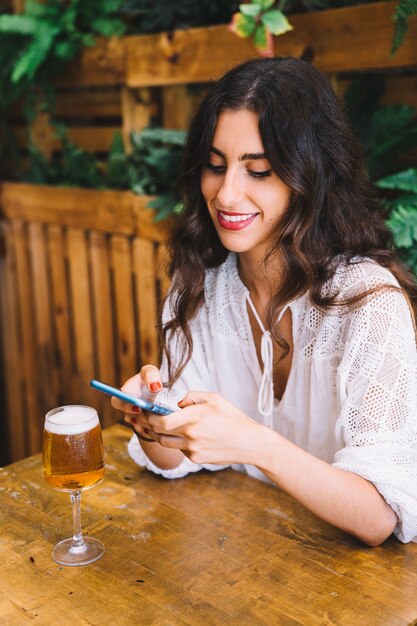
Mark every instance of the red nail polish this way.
pixel 133 420
pixel 155 386
pixel 136 409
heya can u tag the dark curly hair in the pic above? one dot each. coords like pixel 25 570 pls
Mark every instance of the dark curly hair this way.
pixel 333 208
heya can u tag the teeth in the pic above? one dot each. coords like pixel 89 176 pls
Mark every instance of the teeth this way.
pixel 236 218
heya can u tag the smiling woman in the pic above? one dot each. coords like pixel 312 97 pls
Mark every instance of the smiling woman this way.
pixel 239 186
pixel 289 331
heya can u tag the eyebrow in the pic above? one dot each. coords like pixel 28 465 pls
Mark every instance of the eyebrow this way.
pixel 248 156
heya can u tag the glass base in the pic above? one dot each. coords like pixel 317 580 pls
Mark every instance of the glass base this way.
pixel 64 553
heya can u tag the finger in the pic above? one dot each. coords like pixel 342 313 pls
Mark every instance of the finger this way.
pixel 195 397
pixel 138 428
pixel 176 423
pixel 152 378
pixel 170 441
pixel 126 407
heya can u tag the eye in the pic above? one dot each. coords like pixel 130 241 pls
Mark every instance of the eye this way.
pixel 216 169
pixel 263 174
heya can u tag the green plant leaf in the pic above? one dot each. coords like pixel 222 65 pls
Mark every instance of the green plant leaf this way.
pixel 18 24
pixel 403 10
pixel 264 4
pixel 33 56
pixel 162 135
pixel 260 37
pixel 404 181
pixel 276 22
pixel 250 10
pixel 108 26
pixel 403 223
pixel 242 25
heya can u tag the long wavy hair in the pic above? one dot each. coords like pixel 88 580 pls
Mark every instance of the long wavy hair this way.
pixel 332 210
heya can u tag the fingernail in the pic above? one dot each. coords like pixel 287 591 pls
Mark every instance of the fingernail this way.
pixel 155 386
pixel 136 409
pixel 133 420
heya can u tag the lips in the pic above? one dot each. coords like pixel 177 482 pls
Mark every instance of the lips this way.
pixel 234 221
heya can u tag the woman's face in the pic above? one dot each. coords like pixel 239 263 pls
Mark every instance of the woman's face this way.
pixel 245 198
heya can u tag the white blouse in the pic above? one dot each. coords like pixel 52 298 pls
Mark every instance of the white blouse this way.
pixel 351 396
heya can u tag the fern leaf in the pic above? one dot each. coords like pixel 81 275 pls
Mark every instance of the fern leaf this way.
pixel 402 181
pixel 33 56
pixel 403 10
pixel 19 25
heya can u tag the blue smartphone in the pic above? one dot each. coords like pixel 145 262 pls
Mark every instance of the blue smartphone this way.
pixel 143 404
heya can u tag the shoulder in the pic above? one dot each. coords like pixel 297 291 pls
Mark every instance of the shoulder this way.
pixel 357 276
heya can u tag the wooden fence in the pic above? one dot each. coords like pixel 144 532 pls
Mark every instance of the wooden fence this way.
pixel 81 272
pixel 81 280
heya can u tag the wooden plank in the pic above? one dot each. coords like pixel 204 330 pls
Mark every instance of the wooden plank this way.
pixel 178 104
pixel 12 350
pixel 86 103
pixel 92 138
pixel 200 54
pixel 121 258
pixel 102 64
pixel 34 420
pixel 136 111
pixel 42 135
pixel 46 363
pixel 100 103
pixel 103 306
pixel 81 316
pixel 110 211
pixel 146 301
pixel 162 269
pixel 145 225
pixel 60 313
pixel 400 90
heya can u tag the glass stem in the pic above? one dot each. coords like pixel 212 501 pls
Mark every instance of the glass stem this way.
pixel 77 538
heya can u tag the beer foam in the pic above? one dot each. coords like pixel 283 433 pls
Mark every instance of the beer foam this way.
pixel 71 420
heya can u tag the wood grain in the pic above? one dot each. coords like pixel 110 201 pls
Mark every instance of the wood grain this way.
pixel 16 444
pixel 109 211
pixel 215 547
pixel 81 316
pixel 104 324
pixel 30 392
pixel 340 40
pixel 125 344
pixel 144 271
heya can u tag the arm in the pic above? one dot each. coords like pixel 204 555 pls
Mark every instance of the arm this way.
pixel 210 429
pixel 371 489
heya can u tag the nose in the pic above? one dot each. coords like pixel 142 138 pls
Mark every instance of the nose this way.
pixel 230 191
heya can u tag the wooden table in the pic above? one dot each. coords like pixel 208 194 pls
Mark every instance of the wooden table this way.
pixel 213 548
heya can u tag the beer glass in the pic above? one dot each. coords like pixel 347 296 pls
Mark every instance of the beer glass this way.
pixel 73 460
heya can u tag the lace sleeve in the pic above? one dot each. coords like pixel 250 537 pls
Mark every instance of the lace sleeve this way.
pixel 195 377
pixel 378 396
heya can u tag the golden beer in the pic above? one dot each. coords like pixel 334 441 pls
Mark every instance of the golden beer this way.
pixel 73 454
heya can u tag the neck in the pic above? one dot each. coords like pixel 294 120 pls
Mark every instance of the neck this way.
pixel 262 281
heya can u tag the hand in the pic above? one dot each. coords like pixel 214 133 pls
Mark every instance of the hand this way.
pixel 209 429
pixel 147 384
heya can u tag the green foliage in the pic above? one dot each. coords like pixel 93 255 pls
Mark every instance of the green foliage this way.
pixel 385 132
pixel 260 20
pixel 403 10
pixel 148 16
pixel 151 168
pixel 38 43
pixel 402 207
pixel 156 161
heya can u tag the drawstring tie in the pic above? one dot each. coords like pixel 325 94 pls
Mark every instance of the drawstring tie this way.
pixel 266 390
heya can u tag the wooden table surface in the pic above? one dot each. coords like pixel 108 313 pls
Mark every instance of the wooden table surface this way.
pixel 213 548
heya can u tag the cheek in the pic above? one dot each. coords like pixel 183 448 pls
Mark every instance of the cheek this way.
pixel 209 186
